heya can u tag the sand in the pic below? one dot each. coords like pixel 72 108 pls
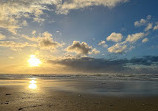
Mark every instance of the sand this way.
pixel 16 98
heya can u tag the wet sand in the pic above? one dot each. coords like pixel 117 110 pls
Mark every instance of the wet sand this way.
pixel 16 98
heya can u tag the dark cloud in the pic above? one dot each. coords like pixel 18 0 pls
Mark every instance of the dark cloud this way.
pixel 48 43
pixel 147 60
pixel 81 48
pixel 148 64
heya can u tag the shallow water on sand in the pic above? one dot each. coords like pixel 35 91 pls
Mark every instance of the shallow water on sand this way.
pixel 83 84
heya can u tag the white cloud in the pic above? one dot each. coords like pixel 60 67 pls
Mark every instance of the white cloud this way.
pixel 148 17
pixel 45 41
pixel 11 11
pixel 81 48
pixel 143 22
pixel 145 40
pixel 155 27
pixel 117 48
pixel 2 37
pixel 33 32
pixel 140 23
pixel 115 37
pixel 39 20
pixel 127 44
pixel 146 22
pixel 67 5
pixel 16 46
pixel 11 57
pixel 148 27
pixel 94 51
pixel 134 37
pixel 24 23
pixel 103 43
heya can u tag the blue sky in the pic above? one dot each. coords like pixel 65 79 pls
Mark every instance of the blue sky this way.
pixel 55 29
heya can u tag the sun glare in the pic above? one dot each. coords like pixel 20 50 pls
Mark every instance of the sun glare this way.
pixel 34 61
pixel 32 84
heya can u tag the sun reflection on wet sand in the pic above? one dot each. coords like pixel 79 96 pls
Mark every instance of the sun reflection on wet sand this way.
pixel 33 84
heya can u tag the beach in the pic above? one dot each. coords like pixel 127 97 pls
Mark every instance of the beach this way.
pixel 78 55
pixel 49 95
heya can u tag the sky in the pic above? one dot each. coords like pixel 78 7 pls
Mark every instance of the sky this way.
pixel 79 36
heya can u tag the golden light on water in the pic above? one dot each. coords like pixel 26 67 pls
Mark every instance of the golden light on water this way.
pixel 32 84
pixel 34 61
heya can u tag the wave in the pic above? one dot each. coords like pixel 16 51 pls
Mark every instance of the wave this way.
pixel 105 76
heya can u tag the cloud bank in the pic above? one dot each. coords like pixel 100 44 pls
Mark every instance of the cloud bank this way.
pixel 149 64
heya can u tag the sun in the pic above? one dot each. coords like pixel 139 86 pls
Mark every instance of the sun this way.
pixel 34 61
